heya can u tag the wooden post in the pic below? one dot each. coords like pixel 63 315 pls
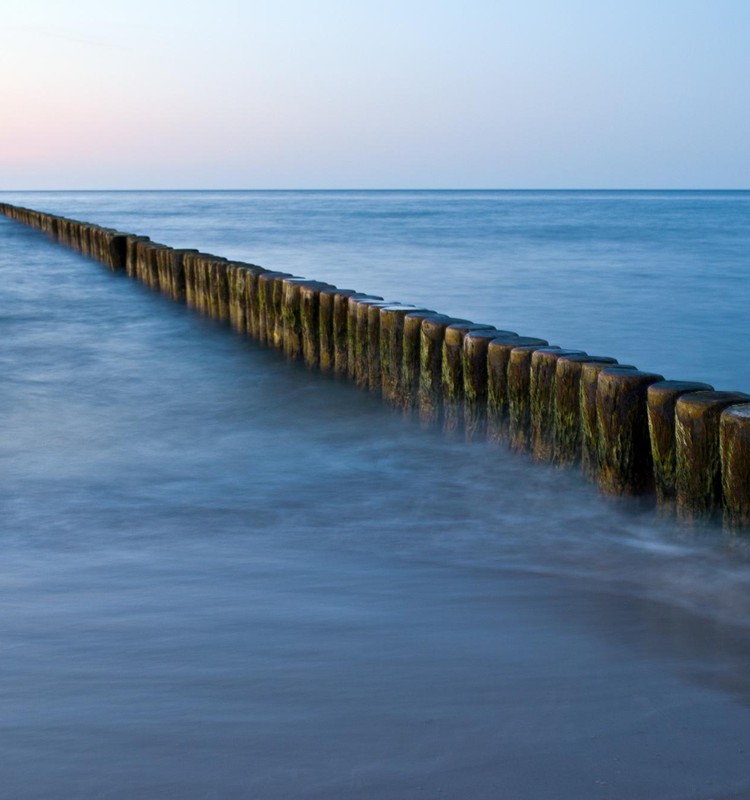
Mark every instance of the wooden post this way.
pixel 453 373
pixel 662 398
pixel 291 325
pixel 498 403
pixel 430 396
pixel 329 330
pixel 266 311
pixel 734 428
pixel 542 386
pixel 359 366
pixel 698 454
pixel 310 320
pixel 251 298
pixel 476 380
pixel 411 356
pixel 392 349
pixel 625 464
pixel 589 427
pixel 519 396
pixel 351 305
pixel 567 432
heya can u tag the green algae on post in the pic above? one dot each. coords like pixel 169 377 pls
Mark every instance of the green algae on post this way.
pixel 734 440
pixel 327 326
pixel 519 397
pixel 474 355
pixel 309 312
pixel 662 398
pixel 589 426
pixel 567 433
pixel 430 397
pixel 625 464
pixel 452 374
pixel 542 399
pixel 356 330
pixel 411 350
pixel 498 403
pixel 698 456
pixel 392 349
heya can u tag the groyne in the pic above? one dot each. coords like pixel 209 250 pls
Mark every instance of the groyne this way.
pixel 631 432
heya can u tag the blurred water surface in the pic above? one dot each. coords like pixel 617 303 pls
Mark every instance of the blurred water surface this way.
pixel 223 576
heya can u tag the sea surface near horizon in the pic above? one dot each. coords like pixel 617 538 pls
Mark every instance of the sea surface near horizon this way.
pixel 224 576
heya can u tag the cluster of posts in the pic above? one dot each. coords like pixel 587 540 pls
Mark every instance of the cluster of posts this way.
pixel 632 432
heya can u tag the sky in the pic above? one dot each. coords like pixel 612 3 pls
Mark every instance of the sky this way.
pixel 305 94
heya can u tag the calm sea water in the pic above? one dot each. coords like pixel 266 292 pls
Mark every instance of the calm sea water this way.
pixel 225 577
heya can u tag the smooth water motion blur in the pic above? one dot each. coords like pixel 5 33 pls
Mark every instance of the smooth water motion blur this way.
pixel 224 576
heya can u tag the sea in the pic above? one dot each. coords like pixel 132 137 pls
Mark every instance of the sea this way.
pixel 225 576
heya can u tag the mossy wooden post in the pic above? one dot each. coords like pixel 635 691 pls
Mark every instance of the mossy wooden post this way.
pixel 567 428
pixel 476 380
pixel 276 329
pixel 410 359
pixel 374 379
pixel 498 404
pixel 96 237
pixel 69 235
pixel 360 311
pixel 144 257
pixel 207 276
pixel 309 301
pixel 542 393
pixel 266 319
pixel 77 230
pixel 392 349
pixel 343 336
pixel 236 276
pixel 698 455
pixel 83 238
pixel 327 327
pixel 131 249
pixel 291 319
pixel 589 427
pixel 251 299
pixel 139 247
pixel 351 337
pixel 113 246
pixel 352 330
pixel 210 296
pixel 309 313
pixel 199 296
pixel 167 274
pixel 519 397
pixel 163 262
pixel 625 463
pixel 734 440
pixel 662 399
pixel 430 397
pixel 188 274
pixel 219 289
pixel 452 373
pixel 203 288
pixel 159 254
pixel 119 251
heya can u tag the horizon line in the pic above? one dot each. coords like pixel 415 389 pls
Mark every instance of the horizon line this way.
pixel 395 189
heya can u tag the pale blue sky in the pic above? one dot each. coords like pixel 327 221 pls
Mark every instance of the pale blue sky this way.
pixel 334 94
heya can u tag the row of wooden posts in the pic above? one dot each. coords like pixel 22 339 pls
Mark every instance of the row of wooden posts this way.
pixel 631 431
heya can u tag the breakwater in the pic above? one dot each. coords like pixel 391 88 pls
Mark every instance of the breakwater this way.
pixel 632 432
